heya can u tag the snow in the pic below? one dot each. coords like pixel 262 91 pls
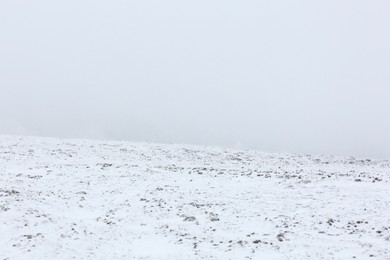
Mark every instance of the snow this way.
pixel 82 199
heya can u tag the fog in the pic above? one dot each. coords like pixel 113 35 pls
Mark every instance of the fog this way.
pixel 278 76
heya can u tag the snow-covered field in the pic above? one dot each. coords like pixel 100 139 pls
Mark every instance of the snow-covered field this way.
pixel 79 199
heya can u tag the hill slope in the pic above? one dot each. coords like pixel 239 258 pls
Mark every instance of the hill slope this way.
pixel 64 199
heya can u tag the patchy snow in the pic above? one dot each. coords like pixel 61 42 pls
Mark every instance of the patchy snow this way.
pixel 64 199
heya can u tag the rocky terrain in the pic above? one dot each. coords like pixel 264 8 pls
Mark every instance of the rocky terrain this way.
pixel 81 199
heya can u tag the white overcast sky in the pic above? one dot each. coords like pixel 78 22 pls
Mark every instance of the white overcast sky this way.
pixel 289 76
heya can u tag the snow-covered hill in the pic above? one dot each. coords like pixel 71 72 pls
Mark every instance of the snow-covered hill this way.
pixel 79 199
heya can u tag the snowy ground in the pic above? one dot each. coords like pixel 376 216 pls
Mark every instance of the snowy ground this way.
pixel 78 199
